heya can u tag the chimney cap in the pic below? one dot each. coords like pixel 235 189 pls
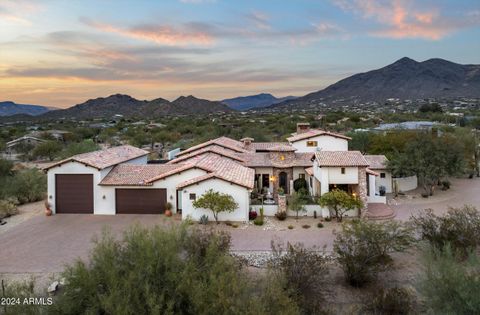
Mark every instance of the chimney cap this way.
pixel 247 139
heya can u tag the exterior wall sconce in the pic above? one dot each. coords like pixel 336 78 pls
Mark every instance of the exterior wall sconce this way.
pixel 50 197
pixel 272 178
pixel 282 157
pixel 354 195
pixel 103 197
pixel 171 197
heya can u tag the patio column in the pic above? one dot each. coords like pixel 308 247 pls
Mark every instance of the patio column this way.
pixel 371 183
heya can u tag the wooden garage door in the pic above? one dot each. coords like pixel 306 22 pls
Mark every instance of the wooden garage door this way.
pixel 145 201
pixel 74 193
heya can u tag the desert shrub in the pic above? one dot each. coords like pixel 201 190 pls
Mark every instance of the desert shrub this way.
pixel 306 226
pixel 165 271
pixel 328 219
pixel 234 225
pixel 363 247
pixel 5 167
pixel 78 148
pixel 204 219
pixel 8 207
pixel 27 185
pixel 258 221
pixel 299 183
pixel 305 272
pixel 290 227
pixel 282 215
pixel 22 290
pixel 320 225
pixel 228 223
pixel 459 227
pixel 339 203
pixel 393 301
pixel 252 215
pixel 445 185
pixel 48 149
pixel 449 286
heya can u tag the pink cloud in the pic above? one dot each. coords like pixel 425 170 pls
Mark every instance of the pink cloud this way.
pixel 403 19
pixel 160 34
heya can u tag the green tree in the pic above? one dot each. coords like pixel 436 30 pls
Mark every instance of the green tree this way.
pixel 216 202
pixel 450 284
pixel 297 203
pixel 5 167
pixel 339 202
pixel 47 149
pixel 430 158
pixel 363 248
pixel 78 148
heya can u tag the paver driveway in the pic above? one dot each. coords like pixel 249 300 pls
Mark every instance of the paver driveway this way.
pixel 46 244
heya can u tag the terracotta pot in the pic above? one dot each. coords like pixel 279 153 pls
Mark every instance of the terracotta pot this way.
pixel 48 212
pixel 168 213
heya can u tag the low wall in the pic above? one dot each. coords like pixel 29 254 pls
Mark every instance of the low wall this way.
pixel 270 210
pixel 403 184
pixel 377 199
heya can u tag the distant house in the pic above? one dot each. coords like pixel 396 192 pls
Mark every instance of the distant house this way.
pixel 15 146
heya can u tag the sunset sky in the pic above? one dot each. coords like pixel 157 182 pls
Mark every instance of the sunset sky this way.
pixel 61 53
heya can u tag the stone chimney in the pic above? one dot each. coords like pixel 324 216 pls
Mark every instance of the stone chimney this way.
pixel 303 127
pixel 247 141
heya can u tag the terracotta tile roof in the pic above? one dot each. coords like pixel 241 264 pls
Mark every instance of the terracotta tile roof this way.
pixel 377 162
pixel 314 133
pixel 223 168
pixel 340 158
pixel 309 171
pixel 273 159
pixel 224 142
pixel 282 148
pixel 139 175
pixel 213 148
pixel 104 158
pixel 369 171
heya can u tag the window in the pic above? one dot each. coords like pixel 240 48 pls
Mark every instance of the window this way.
pixel 342 170
pixel 193 196
pixel 302 176
pixel 312 143
pixel 382 175
pixel 311 182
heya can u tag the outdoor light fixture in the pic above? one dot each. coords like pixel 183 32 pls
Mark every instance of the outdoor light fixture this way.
pixel 104 197
pixel 272 178
pixel 282 157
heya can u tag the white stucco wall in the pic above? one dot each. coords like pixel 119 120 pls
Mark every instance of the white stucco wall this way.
pixel 387 181
pixel 406 183
pixel 240 194
pixel 335 175
pixel 324 143
pixel 107 205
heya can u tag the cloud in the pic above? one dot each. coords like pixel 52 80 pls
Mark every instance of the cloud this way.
pixel 17 11
pixel 160 34
pixel 259 19
pixel 404 19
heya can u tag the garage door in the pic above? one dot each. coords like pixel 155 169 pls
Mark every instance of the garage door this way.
pixel 74 193
pixel 146 201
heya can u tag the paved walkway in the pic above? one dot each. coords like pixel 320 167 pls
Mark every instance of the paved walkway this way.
pixel 379 211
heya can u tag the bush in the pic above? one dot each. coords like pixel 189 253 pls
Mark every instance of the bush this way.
pixel 252 215
pixel 450 286
pixel 234 225
pixel 5 167
pixel 78 148
pixel 290 227
pixel 27 185
pixel 305 272
pixel 22 290
pixel 258 221
pixel 165 271
pixel 204 219
pixel 281 215
pixel 328 219
pixel 228 223
pixel 320 225
pixel 459 228
pixel 306 226
pixel 8 207
pixel 445 185
pixel 425 195
pixel 390 301
pixel 363 248
pixel 299 183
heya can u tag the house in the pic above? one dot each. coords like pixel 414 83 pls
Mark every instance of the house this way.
pixel 119 180
pixel 378 163
pixel 22 144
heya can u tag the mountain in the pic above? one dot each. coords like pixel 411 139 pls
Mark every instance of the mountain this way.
pixel 10 108
pixel 128 106
pixel 254 101
pixel 403 79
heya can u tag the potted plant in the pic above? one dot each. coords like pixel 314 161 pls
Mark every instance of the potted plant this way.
pixel 382 190
pixel 168 209
pixel 48 208
pixel 281 192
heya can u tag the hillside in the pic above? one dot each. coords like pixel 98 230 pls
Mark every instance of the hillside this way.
pixel 130 107
pixel 10 108
pixel 403 79
pixel 254 101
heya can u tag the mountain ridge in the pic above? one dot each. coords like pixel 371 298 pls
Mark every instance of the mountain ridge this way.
pixel 9 108
pixel 254 101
